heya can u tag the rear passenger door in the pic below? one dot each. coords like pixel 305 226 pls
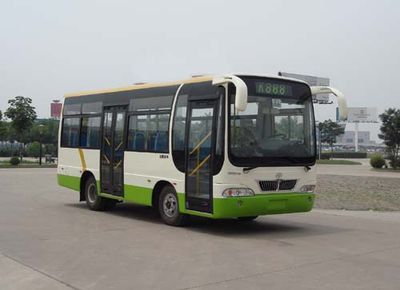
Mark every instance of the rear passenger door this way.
pixel 112 151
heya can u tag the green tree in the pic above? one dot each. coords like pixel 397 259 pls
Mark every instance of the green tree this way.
pixel 33 149
pixel 48 134
pixel 329 130
pixel 22 115
pixel 390 133
pixel 3 128
pixel 50 149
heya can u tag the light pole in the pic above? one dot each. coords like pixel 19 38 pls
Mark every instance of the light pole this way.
pixel 40 142
pixel 318 139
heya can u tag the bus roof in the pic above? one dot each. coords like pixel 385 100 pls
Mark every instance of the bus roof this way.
pixel 194 79
pixel 141 86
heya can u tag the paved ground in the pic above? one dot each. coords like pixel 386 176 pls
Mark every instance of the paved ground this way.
pixel 357 187
pixel 49 241
pixel 358 192
pixel 355 170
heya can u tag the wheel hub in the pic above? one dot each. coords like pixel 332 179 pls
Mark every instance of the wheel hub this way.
pixel 170 205
pixel 92 193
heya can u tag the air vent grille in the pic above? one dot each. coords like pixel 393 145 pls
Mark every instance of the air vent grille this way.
pixel 275 185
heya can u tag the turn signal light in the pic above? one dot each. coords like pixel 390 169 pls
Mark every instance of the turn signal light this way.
pixel 307 188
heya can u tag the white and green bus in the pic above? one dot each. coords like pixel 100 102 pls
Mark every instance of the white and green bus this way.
pixel 231 146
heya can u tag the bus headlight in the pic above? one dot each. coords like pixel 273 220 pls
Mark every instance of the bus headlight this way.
pixel 307 188
pixel 231 192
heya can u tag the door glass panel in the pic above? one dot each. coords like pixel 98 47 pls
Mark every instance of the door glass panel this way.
pixel 199 154
pixel 106 155
pixel 112 154
pixel 118 150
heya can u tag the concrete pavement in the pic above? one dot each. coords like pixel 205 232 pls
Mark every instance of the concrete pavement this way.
pixel 364 169
pixel 50 241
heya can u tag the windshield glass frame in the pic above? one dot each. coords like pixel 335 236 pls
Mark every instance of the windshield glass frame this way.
pixel 301 91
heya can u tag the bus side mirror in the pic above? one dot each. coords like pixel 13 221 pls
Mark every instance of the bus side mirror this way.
pixel 241 90
pixel 342 104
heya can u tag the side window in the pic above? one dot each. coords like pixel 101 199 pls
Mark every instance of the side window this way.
pixel 148 123
pixel 92 108
pixel 179 123
pixel 151 103
pixel 72 109
pixel 137 128
pixel 157 133
pixel 70 132
pixel 90 132
pixel 148 132
pixel 178 131
pixel 155 99
pixel 220 132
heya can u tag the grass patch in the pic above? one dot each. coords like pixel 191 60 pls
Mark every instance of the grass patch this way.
pixel 23 162
pixel 338 162
pixel 27 165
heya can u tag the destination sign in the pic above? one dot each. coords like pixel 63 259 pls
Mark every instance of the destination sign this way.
pixel 270 88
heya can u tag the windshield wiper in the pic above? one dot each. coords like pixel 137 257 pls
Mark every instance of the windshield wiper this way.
pixel 247 169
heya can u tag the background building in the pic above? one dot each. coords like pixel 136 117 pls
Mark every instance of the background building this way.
pixel 348 138
pixel 55 109
pixel 346 142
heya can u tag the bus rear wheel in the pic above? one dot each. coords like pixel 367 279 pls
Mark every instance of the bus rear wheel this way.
pixel 168 207
pixel 93 200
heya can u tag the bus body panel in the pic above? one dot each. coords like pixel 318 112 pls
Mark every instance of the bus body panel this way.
pixel 74 162
pixel 143 170
pixel 231 176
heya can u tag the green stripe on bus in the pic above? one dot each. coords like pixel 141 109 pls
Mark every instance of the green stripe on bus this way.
pixel 263 204
pixel 71 182
pixel 231 207
pixel 260 204
pixel 135 194
pixel 138 194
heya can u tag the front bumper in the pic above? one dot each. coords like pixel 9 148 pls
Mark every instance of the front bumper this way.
pixel 262 204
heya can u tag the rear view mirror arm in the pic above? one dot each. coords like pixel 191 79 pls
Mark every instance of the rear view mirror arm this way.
pixel 342 103
pixel 241 89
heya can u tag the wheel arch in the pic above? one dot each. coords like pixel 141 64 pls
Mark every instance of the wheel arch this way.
pixel 84 177
pixel 157 190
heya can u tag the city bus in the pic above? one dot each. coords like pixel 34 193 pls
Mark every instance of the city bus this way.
pixel 229 146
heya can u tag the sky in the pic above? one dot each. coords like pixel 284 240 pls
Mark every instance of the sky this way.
pixel 49 48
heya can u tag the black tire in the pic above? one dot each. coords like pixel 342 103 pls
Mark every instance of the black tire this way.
pixel 93 200
pixel 247 218
pixel 168 207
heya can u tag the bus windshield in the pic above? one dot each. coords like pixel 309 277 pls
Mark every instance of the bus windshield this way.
pixel 277 127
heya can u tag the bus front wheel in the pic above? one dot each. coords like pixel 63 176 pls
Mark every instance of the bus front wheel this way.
pixel 93 200
pixel 168 207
